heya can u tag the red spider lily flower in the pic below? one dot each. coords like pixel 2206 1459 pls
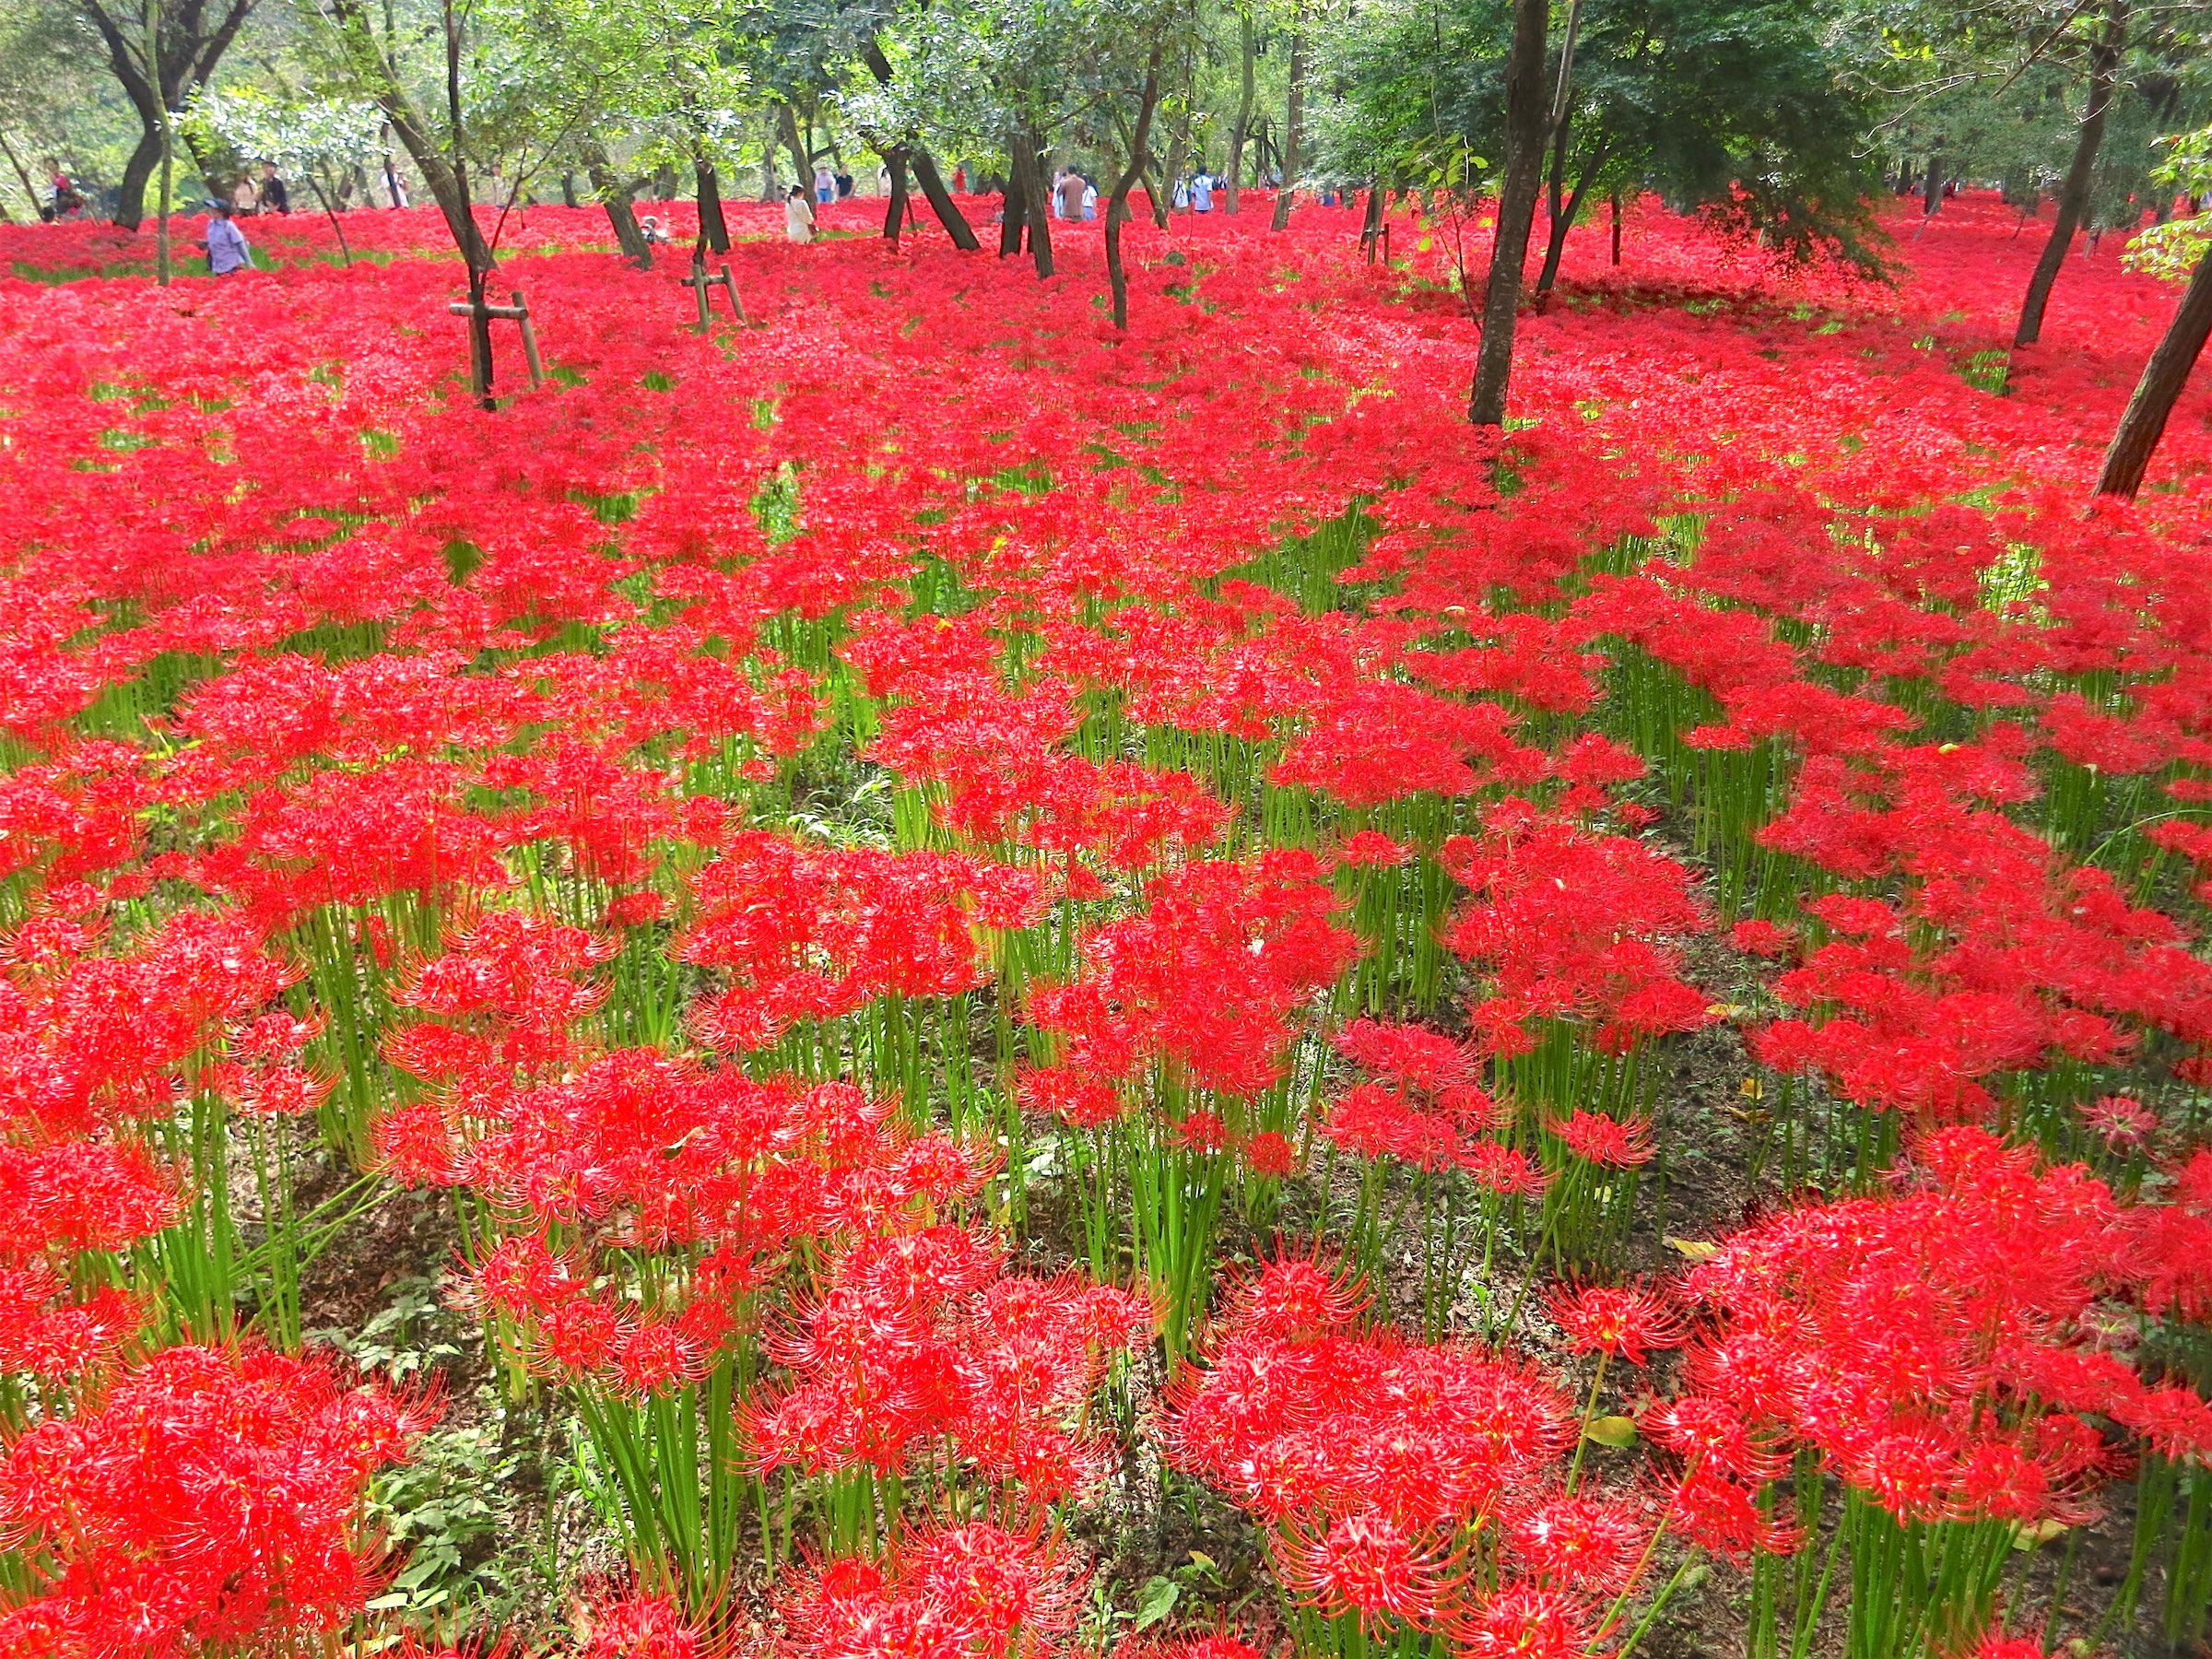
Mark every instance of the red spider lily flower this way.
pixel 1366 1563
pixel 203 1500
pixel 1625 1322
pixel 1588 1546
pixel 1269 1155
pixel 2121 1122
pixel 1607 1142
pixel 642 1627
pixel 1526 1622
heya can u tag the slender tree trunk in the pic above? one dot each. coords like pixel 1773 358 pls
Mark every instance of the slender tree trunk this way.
pixel 2163 377
pixel 447 183
pixel 30 191
pixel 713 229
pixel 1616 224
pixel 153 70
pixel 1563 221
pixel 1524 109
pixel 1117 205
pixel 1294 123
pixel 1014 213
pixel 1370 228
pixel 2074 195
pixel 1248 52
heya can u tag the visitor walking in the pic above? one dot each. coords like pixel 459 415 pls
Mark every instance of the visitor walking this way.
pixel 825 185
pixel 242 197
pixel 1202 192
pixel 225 244
pixel 271 197
pixel 798 216
pixel 1091 200
pixel 1067 195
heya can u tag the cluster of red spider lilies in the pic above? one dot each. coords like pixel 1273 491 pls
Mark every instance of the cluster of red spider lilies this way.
pixel 997 931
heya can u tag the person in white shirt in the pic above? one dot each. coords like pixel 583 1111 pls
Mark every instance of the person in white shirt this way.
pixel 798 216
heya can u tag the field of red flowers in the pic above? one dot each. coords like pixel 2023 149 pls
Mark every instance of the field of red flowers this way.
pixel 914 979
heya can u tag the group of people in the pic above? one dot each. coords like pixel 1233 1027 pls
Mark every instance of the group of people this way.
pixel 1076 196
pixel 269 195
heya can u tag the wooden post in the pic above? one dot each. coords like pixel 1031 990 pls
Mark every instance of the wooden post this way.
pixel 479 373
pixel 537 364
pixel 698 283
pixel 737 304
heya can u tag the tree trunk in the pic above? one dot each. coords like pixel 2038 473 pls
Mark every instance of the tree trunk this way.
pixel 1563 221
pixel 1294 123
pixel 2160 387
pixel 1616 224
pixel 1014 207
pixel 941 203
pixel 448 183
pixel 130 194
pixel 2074 195
pixel 713 229
pixel 1038 195
pixel 787 126
pixel 615 197
pixel 926 170
pixel 1117 205
pixel 1247 48
pixel 895 219
pixel 1370 228
pixel 153 58
pixel 1525 111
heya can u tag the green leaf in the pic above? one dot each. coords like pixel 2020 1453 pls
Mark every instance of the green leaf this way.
pixel 1156 1601
pixel 1614 1431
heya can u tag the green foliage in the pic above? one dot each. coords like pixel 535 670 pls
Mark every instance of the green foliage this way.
pixel 1747 112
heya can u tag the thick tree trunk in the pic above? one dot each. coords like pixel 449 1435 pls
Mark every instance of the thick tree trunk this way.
pixel 1294 124
pixel 1248 53
pixel 1525 111
pixel 2163 377
pixel 130 194
pixel 894 221
pixel 713 229
pixel 787 126
pixel 1038 195
pixel 190 46
pixel 1117 204
pixel 2074 195
pixel 925 170
pixel 941 203
pixel 615 197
